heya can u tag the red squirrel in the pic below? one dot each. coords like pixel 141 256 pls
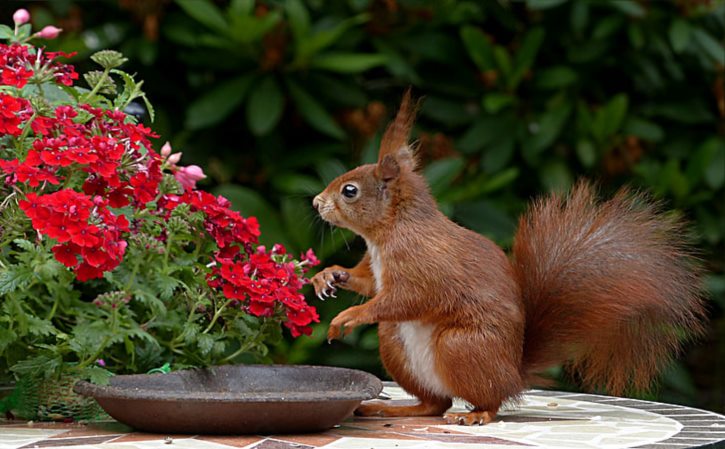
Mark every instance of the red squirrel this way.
pixel 608 289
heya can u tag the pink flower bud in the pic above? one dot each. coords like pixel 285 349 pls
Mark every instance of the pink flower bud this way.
pixel 187 176
pixel 101 362
pixel 166 150
pixel 174 158
pixel 21 16
pixel 49 32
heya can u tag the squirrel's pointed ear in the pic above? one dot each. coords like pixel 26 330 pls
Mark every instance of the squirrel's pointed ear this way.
pixel 387 169
pixel 395 139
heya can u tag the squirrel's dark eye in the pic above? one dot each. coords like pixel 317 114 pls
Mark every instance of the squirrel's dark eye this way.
pixel 349 191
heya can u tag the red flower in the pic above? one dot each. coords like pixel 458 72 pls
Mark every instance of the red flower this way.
pixel 10 107
pixel 66 254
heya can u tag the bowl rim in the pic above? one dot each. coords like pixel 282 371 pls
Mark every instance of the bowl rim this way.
pixel 373 387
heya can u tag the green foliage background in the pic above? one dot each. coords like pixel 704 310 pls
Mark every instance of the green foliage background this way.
pixel 276 98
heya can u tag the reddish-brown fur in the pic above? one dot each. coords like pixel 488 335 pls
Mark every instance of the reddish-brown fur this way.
pixel 607 288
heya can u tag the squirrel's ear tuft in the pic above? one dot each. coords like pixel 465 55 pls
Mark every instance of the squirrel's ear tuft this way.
pixel 387 169
pixel 395 139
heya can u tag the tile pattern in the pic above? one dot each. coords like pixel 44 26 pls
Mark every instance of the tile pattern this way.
pixel 541 419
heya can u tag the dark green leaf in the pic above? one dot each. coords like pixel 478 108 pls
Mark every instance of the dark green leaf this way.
pixel 265 106
pixel 579 16
pixel 205 12
pixel 486 218
pixel 680 32
pixel 299 18
pixel 586 152
pixel 545 131
pixel 544 4
pixel 297 183
pixel 608 119
pixel 329 169
pixel 629 7
pixel 314 113
pixel 241 7
pixel 494 102
pixel 348 62
pixel 442 172
pixel 556 176
pixel 479 48
pixel 556 77
pixel 643 129
pixel 447 111
pixel 218 103
pixel 715 172
pixel 711 46
pixel 526 55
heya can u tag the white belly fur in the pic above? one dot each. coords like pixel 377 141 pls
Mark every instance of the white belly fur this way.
pixel 416 339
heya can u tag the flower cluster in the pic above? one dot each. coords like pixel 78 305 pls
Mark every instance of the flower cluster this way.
pixel 86 176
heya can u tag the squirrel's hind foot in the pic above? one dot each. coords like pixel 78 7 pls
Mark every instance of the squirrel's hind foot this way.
pixel 380 408
pixel 472 418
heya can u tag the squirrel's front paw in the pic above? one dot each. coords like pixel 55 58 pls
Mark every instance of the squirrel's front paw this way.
pixel 345 322
pixel 327 280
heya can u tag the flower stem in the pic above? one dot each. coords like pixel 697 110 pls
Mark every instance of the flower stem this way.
pixel 97 87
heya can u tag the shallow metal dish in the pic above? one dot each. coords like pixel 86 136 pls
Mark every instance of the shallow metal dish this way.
pixel 235 399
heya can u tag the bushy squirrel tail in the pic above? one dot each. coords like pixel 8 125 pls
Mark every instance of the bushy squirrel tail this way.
pixel 611 289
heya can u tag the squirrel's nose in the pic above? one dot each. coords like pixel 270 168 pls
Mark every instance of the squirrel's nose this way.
pixel 316 203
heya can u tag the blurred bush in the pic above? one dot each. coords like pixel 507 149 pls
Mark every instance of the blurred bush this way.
pixel 276 98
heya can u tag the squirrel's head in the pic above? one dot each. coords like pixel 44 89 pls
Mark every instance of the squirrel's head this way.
pixel 368 196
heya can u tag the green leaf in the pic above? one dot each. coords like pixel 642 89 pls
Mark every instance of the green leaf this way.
pixel 629 7
pixel 494 102
pixel 329 169
pixel 544 4
pixel 644 129
pixel 680 34
pixel 447 111
pixel 43 365
pixel 442 172
pixel 348 62
pixel 313 44
pixel 218 103
pixel 299 18
pixel 265 106
pixel 40 327
pixel 7 337
pixel 479 48
pixel 14 277
pixel 711 46
pixel 609 118
pixel 487 218
pixel 546 131
pixel 715 172
pixel 241 7
pixel 314 113
pixel 298 218
pixel 556 77
pixel 526 55
pixel 556 176
pixel 297 184
pixel 206 13
pixel 586 152
pixel 6 32
pixel 97 375
pixel 205 343
pixel 579 16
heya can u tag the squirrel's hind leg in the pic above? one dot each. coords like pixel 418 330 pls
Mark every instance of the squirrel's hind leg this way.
pixel 480 367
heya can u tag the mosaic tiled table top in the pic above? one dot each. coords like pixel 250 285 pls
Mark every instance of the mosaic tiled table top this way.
pixel 543 419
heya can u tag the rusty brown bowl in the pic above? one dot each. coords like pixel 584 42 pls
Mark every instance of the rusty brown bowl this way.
pixel 235 399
